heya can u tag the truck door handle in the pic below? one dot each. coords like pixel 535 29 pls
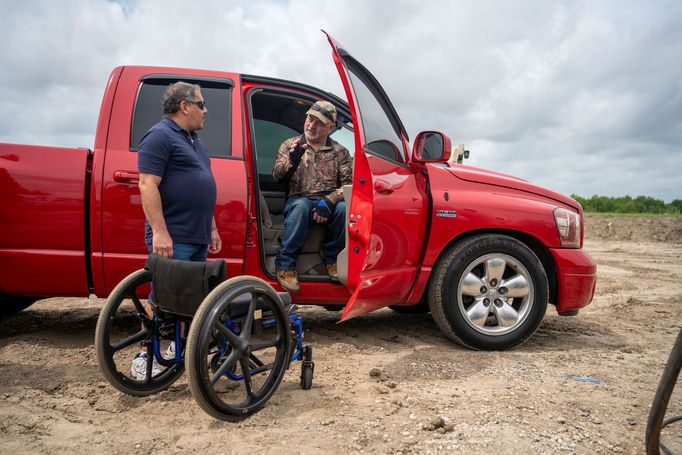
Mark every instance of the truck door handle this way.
pixel 126 177
pixel 383 187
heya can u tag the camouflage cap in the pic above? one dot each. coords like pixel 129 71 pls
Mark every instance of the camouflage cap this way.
pixel 324 111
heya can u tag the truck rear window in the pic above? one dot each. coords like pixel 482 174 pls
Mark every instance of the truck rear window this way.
pixel 216 133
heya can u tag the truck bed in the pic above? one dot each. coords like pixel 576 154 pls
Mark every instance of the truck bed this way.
pixel 43 219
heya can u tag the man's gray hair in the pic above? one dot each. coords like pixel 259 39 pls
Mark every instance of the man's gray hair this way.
pixel 175 93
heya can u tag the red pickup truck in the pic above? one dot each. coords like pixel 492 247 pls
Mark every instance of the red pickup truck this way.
pixel 483 251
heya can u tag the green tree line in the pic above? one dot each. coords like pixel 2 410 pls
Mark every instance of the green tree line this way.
pixel 628 204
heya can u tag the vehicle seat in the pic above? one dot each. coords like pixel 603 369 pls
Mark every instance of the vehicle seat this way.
pixel 272 222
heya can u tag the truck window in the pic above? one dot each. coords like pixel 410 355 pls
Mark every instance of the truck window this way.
pixel 382 136
pixel 344 136
pixel 269 136
pixel 279 116
pixel 216 133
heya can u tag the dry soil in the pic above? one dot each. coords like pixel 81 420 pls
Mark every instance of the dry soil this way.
pixel 425 394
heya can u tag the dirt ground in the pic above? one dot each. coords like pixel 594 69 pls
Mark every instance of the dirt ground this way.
pixel 430 395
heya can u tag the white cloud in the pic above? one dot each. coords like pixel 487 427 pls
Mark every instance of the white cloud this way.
pixel 582 97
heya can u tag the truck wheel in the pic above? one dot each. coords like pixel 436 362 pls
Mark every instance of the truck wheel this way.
pixel 489 292
pixel 10 305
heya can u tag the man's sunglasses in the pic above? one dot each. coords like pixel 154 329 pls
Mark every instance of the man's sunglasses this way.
pixel 200 103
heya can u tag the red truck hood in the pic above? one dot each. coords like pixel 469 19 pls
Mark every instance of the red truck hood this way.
pixel 475 174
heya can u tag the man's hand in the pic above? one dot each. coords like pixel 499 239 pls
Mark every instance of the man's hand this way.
pixel 296 150
pixel 162 244
pixel 216 243
pixel 322 211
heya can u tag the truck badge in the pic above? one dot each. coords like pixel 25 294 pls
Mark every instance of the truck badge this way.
pixel 446 213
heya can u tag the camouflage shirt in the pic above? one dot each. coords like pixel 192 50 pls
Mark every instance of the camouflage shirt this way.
pixel 321 173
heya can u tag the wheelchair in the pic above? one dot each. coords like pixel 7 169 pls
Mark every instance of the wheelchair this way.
pixel 235 348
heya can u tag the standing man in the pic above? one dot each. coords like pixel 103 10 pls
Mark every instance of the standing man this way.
pixel 177 188
pixel 176 184
pixel 315 168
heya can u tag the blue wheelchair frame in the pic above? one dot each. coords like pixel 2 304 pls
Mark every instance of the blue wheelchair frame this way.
pixel 295 319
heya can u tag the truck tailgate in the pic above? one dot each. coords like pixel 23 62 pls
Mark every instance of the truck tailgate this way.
pixel 42 220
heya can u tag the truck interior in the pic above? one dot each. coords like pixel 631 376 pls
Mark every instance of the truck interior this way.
pixel 277 115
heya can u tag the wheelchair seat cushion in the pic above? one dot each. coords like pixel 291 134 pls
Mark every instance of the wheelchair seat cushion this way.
pixel 181 286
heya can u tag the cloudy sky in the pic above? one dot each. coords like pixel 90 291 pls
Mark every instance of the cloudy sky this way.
pixel 582 97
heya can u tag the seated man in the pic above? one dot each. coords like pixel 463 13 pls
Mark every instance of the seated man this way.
pixel 315 168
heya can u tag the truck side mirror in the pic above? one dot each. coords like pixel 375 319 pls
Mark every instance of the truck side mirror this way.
pixel 431 147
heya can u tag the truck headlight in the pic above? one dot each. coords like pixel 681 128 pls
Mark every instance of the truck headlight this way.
pixel 568 226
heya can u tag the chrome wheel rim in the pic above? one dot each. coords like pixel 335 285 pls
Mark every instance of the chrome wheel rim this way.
pixel 495 294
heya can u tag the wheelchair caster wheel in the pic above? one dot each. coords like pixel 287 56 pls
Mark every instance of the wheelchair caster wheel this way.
pixel 307 367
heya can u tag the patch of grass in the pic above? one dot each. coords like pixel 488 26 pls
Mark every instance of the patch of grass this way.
pixel 633 215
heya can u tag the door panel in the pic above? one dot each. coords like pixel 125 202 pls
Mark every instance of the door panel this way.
pixel 399 211
pixel 388 207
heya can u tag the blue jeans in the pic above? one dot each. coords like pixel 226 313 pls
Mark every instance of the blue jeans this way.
pixel 298 219
pixel 187 251
pixel 183 252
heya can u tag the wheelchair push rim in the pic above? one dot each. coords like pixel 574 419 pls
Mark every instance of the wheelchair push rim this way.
pixel 124 329
pixel 236 360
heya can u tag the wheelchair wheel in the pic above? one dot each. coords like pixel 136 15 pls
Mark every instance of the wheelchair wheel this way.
pixel 124 329
pixel 306 377
pixel 237 348
pixel 307 367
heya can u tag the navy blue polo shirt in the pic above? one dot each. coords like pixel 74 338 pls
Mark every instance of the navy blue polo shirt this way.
pixel 187 188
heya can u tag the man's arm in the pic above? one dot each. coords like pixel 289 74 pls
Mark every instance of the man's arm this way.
pixel 216 242
pixel 162 243
pixel 344 177
pixel 282 162
pixel 287 160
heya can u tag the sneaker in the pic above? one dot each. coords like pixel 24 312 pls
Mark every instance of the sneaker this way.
pixel 138 369
pixel 333 271
pixel 288 280
pixel 170 352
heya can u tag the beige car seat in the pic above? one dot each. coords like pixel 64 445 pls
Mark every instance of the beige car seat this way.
pixel 309 260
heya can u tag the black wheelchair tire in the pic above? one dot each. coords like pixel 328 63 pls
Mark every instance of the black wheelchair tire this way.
pixel 105 352
pixel 306 377
pixel 199 369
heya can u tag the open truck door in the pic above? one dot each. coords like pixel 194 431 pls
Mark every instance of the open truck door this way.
pixel 388 211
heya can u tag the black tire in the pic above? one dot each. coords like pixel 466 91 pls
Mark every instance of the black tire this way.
pixel 306 377
pixel 503 300
pixel 666 385
pixel 10 305
pixel 122 327
pixel 333 307
pixel 420 308
pixel 218 357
